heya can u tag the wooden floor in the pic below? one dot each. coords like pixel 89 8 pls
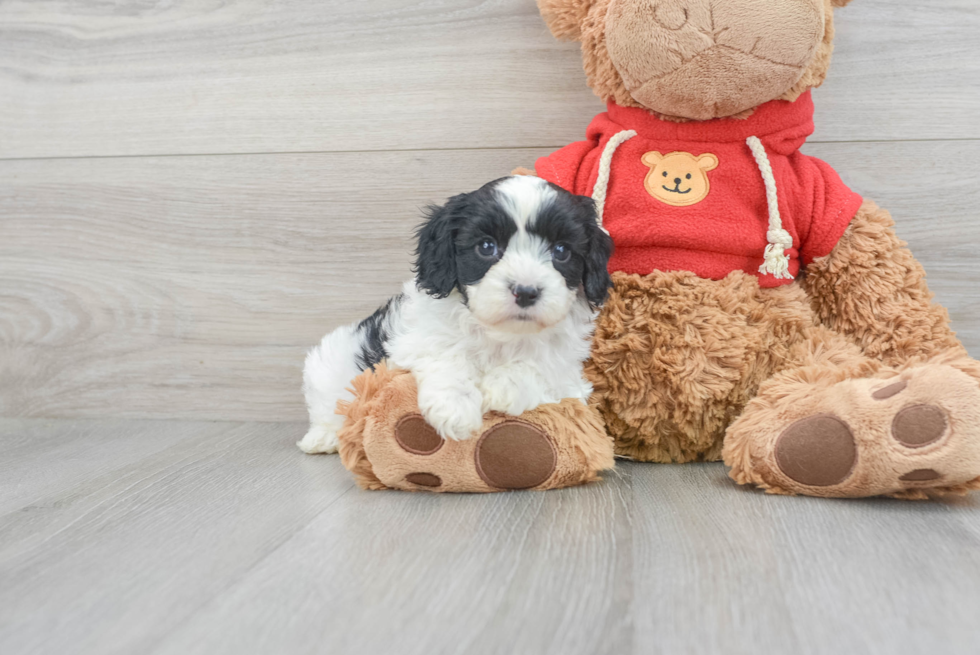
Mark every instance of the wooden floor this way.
pixel 149 537
pixel 192 193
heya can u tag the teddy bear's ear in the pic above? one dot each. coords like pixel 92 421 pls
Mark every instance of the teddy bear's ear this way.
pixel 707 162
pixel 652 158
pixel 840 3
pixel 565 17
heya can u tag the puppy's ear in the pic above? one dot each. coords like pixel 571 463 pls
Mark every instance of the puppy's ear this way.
pixel 596 278
pixel 435 254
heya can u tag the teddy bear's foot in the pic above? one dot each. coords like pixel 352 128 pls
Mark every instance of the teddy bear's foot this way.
pixel 511 454
pixel 908 435
pixel 388 445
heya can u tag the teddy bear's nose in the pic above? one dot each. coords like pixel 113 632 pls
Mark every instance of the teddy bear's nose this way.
pixel 677 180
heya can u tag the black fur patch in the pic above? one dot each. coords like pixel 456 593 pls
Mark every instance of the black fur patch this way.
pixel 487 220
pixel 374 333
pixel 446 256
pixel 571 220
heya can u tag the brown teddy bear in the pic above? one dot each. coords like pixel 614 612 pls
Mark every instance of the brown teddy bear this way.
pixel 762 313
pixel 387 444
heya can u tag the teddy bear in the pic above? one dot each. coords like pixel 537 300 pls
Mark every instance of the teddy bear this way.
pixel 762 313
pixel 387 444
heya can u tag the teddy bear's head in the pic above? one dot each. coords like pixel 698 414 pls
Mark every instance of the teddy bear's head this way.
pixel 698 59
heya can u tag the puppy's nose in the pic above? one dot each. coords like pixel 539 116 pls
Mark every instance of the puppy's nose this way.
pixel 677 180
pixel 526 296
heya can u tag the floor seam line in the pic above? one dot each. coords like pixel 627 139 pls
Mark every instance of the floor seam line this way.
pixel 261 153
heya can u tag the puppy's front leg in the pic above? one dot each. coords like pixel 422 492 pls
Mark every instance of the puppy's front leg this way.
pixel 515 388
pixel 450 402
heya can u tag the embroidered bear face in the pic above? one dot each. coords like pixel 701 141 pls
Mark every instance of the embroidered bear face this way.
pixel 679 178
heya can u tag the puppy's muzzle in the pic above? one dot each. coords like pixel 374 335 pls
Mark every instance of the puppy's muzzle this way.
pixel 525 296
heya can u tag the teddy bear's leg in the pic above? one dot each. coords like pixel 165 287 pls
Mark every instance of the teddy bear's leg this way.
pixel 546 448
pixel 837 423
pixel 676 357
pixel 387 444
pixel 915 418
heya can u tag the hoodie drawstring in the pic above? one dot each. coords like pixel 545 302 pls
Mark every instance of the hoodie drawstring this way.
pixel 776 257
pixel 605 166
pixel 780 241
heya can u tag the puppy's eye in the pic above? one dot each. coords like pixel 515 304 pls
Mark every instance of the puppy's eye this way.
pixel 665 173
pixel 689 176
pixel 560 253
pixel 487 249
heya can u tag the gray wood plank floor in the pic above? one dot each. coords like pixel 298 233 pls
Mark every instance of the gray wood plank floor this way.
pixel 195 537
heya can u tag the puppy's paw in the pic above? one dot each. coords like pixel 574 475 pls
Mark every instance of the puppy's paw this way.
pixel 319 439
pixel 455 414
pixel 508 400
pixel 512 391
pixel 500 398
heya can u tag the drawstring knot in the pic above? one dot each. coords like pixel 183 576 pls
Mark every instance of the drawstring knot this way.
pixel 776 257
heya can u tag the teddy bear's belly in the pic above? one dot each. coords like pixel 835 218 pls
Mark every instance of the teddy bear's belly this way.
pixel 676 357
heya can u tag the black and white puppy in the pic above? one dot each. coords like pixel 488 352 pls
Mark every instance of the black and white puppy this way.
pixel 499 317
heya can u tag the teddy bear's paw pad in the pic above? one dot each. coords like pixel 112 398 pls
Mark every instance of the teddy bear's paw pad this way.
pixel 416 436
pixel 933 426
pixel 919 425
pixel 818 451
pixel 916 432
pixel 890 390
pixel 921 475
pixel 430 480
pixel 515 455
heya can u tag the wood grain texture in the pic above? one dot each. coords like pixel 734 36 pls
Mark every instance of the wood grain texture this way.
pixel 191 287
pixel 73 453
pixel 750 573
pixel 113 561
pixel 226 539
pixel 526 572
pixel 80 78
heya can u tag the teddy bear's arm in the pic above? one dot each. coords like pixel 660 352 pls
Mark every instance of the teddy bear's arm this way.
pixel 871 288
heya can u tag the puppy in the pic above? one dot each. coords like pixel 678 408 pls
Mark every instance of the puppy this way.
pixel 499 316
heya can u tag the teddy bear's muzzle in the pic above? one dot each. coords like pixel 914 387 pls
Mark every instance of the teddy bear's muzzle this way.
pixel 704 59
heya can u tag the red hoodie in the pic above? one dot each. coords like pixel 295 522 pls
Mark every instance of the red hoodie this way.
pixel 692 197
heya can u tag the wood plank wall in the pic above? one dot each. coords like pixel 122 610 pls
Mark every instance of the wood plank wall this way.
pixel 192 193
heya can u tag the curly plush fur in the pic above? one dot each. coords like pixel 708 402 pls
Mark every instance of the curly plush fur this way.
pixel 686 368
pixel 872 289
pixel 676 358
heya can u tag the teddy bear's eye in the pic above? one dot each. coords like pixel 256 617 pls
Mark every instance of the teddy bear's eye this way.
pixel 689 176
pixel 665 173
